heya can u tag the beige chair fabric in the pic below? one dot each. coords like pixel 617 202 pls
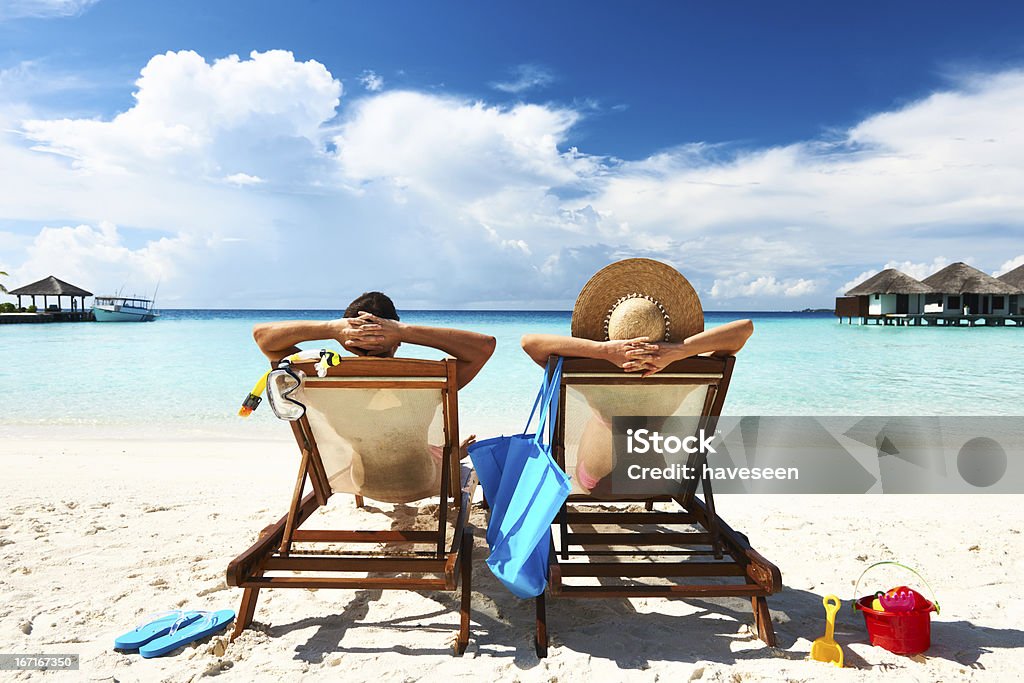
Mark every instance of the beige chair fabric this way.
pixel 589 410
pixel 378 443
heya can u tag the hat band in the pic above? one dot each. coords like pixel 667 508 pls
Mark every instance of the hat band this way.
pixel 637 295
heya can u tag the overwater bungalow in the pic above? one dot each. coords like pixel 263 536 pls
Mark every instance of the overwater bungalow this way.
pixel 968 292
pixel 888 293
pixel 956 295
pixel 1015 278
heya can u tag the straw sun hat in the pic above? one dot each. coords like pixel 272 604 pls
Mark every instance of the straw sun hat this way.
pixel 637 297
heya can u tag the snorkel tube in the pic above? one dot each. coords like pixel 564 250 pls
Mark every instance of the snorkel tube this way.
pixel 327 359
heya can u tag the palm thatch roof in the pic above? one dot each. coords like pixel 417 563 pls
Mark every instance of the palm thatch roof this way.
pixel 50 286
pixel 960 278
pixel 890 281
pixel 1015 278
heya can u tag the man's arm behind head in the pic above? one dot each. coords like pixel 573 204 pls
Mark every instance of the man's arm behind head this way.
pixel 471 350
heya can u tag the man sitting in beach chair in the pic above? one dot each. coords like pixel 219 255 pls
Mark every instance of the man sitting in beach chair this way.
pixel 376 426
pixel 370 327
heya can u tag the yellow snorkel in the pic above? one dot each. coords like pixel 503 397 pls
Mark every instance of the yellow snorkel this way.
pixel 327 359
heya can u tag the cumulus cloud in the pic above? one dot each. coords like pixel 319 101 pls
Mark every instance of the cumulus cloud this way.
pixel 898 186
pixel 918 271
pixel 525 77
pixel 440 146
pixel 82 252
pixel 41 9
pixel 192 269
pixel 1012 264
pixel 242 179
pixel 371 80
pixel 191 117
pixel 30 78
pixel 745 285
pixel 232 161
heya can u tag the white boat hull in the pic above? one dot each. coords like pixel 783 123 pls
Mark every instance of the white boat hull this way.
pixel 104 314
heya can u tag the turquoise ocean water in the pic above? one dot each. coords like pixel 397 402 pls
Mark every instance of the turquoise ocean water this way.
pixel 188 372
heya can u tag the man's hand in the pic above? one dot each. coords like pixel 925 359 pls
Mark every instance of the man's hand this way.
pixel 628 354
pixel 371 334
pixel 349 331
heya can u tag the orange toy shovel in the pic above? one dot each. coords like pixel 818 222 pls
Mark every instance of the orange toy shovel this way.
pixel 826 649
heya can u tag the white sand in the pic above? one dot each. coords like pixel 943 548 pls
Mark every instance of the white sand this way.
pixel 97 533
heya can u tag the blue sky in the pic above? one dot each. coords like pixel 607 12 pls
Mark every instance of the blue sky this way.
pixel 774 152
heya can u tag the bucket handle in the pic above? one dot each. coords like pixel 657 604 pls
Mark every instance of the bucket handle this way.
pixel 853 604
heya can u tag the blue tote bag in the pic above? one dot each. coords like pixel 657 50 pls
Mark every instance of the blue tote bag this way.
pixel 525 488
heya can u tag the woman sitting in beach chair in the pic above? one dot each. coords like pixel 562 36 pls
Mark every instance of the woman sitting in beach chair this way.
pixel 635 358
pixel 641 315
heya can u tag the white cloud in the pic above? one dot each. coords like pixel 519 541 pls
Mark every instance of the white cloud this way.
pixel 242 179
pixel 191 117
pixel 82 254
pixel 443 146
pixel 745 285
pixel 371 80
pixel 526 77
pixel 230 162
pixel 519 245
pixel 1010 265
pixel 41 9
pixel 918 271
pixel 30 78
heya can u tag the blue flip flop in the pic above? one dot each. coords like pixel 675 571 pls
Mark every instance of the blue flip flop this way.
pixel 211 622
pixel 156 625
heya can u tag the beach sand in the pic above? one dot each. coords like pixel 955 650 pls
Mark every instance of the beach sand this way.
pixel 98 533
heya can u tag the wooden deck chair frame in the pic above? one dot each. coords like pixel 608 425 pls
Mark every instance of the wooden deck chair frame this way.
pixel 726 554
pixel 426 565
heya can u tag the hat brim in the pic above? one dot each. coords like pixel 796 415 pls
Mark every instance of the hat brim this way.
pixel 645 277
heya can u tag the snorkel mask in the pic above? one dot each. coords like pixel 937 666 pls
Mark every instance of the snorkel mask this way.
pixel 282 382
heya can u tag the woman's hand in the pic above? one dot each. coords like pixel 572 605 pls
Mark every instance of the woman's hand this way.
pixel 627 354
pixel 656 359
pixel 660 355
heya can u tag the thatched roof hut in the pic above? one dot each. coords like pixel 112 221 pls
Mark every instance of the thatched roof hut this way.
pixel 1015 278
pixel 960 278
pixel 50 286
pixel 890 281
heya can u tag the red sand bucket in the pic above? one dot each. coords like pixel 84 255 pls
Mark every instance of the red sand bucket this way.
pixel 903 633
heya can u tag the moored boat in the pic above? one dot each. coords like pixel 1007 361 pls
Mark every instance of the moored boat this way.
pixel 120 309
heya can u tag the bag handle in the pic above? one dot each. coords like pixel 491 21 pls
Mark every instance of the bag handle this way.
pixel 541 393
pixel 556 392
pixel 853 603
pixel 549 404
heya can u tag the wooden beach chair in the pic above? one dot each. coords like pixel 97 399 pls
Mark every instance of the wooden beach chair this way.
pixel 607 546
pixel 384 429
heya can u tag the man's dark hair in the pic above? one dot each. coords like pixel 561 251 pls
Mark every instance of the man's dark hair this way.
pixel 377 303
